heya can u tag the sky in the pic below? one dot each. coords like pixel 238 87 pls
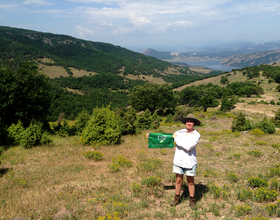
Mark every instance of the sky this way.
pixel 164 25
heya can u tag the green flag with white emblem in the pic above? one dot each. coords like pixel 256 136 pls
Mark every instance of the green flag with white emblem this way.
pixel 161 140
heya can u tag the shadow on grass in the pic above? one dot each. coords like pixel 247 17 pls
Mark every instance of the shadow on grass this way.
pixel 3 171
pixel 200 190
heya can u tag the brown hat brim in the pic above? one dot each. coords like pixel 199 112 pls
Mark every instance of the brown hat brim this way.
pixel 196 121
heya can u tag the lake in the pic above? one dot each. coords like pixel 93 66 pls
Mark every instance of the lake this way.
pixel 213 65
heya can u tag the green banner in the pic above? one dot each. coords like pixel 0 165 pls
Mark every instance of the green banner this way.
pixel 161 140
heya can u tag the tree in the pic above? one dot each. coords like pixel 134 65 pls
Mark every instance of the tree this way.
pixel 102 128
pixel 240 123
pixel 226 104
pixel 152 97
pixel 276 77
pixel 224 80
pixel 24 94
pixel 208 101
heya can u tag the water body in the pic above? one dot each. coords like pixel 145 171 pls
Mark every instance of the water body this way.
pixel 213 65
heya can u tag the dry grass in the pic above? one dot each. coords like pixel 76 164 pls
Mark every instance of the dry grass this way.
pixel 37 183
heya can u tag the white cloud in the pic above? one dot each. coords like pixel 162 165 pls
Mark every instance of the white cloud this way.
pixel 82 31
pixel 138 20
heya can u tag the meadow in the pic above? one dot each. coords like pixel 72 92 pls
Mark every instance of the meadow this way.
pixel 237 178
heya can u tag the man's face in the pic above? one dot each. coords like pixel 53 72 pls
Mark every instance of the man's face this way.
pixel 190 124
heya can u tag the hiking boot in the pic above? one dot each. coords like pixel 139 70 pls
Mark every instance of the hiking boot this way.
pixel 176 201
pixel 192 203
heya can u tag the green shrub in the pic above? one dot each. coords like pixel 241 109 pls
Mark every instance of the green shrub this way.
pixel 254 153
pixel 257 182
pixel 148 121
pixel 34 136
pixel 252 103
pixel 263 194
pixel 277 146
pixel 63 129
pixel 276 118
pixel 169 119
pixel 127 120
pixel 232 177
pixel 274 184
pixel 240 123
pixel 122 161
pixel 215 190
pixel 151 181
pixel 264 102
pixel 102 128
pixel 93 155
pixel 243 210
pixel 260 143
pixel 119 161
pixel 275 171
pixel 266 126
pixel 81 121
pixel 15 132
pixel 244 195
pixel 136 188
pixel 257 132
pixel 271 209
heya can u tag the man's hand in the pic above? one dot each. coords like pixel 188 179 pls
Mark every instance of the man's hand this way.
pixel 148 135
pixel 174 135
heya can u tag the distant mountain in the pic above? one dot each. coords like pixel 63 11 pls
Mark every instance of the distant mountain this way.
pixel 232 53
pixel 159 55
pixel 253 59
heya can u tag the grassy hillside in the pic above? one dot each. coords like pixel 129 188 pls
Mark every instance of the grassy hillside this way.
pixel 47 182
pixel 70 52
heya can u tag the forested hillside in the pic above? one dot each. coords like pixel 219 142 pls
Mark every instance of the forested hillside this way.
pixel 111 71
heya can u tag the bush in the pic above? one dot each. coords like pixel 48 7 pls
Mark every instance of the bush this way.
pixel 81 121
pixel 257 132
pixel 63 129
pixel 169 119
pixel 276 119
pixel 93 155
pixel 262 194
pixel 15 132
pixel 257 182
pixel 102 128
pixel 266 126
pixel 33 136
pixel 240 123
pixel 148 121
pixel 151 181
pixel 244 195
pixel 127 121
pixel 254 153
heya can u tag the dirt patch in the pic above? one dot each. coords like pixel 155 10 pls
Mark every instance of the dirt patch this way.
pixel 54 71
pixel 80 73
pixel 150 79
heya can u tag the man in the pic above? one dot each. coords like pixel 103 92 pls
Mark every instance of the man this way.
pixel 184 161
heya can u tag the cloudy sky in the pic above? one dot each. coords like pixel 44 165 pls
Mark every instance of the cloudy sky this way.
pixel 140 24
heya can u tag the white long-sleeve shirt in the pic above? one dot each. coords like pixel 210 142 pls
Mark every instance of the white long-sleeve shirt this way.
pixel 185 152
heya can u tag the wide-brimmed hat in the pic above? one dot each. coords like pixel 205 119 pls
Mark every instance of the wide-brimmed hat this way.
pixel 192 117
